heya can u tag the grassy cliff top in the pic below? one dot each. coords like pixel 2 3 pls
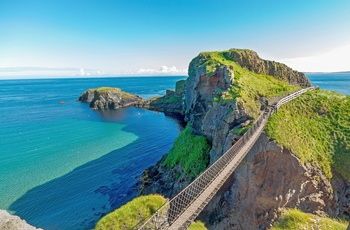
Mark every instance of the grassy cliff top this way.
pixel 296 219
pixel 125 95
pixel 130 214
pixel 135 211
pixel 106 89
pixel 316 128
pixel 248 86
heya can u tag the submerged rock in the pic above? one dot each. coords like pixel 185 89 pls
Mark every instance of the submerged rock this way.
pixel 109 98
pixel 11 222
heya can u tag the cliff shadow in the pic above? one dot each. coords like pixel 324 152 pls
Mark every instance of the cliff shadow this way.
pixel 81 197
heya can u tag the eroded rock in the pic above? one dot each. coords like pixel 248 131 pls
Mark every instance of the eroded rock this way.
pixel 12 222
pixel 109 98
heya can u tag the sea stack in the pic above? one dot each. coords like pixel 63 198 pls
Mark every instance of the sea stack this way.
pixel 109 98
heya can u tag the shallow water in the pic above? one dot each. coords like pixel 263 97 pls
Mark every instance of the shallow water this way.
pixel 62 166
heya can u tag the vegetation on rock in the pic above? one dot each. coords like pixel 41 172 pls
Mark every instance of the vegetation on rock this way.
pixel 316 128
pixel 248 86
pixel 109 98
pixel 198 225
pixel 106 89
pixel 190 151
pixel 296 219
pixel 130 214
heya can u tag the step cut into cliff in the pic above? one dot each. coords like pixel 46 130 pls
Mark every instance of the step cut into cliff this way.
pixel 297 164
pixel 109 98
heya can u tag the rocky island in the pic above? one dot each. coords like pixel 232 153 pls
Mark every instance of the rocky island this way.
pixel 109 98
pixel 299 167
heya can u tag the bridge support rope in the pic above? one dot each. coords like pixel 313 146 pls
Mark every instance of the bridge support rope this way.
pixel 179 212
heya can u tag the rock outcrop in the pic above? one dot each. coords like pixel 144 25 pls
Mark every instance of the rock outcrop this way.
pixel 109 98
pixel 11 222
pixel 217 120
pixel 172 103
pixel 251 61
pixel 271 177
pixel 158 179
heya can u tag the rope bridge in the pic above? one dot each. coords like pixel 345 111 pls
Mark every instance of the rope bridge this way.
pixel 179 212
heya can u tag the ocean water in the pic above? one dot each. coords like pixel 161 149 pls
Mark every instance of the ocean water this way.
pixel 63 166
pixel 339 82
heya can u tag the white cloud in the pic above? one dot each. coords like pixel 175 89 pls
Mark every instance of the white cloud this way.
pixel 333 61
pixel 163 70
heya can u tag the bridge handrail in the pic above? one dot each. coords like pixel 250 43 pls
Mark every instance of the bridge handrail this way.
pixel 178 204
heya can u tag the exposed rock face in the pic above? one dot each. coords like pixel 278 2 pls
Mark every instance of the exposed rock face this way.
pixel 269 178
pixel 158 179
pixel 11 222
pixel 109 98
pixel 217 120
pixel 211 119
pixel 172 103
pixel 251 61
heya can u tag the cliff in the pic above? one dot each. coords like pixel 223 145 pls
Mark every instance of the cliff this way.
pixel 171 103
pixel 109 98
pixel 224 94
pixel 269 179
pixel 11 222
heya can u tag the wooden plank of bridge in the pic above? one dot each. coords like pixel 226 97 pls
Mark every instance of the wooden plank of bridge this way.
pixel 203 200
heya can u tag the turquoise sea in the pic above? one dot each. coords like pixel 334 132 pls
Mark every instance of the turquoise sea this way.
pixel 63 166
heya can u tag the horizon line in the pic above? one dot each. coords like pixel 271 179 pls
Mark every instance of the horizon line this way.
pixel 32 77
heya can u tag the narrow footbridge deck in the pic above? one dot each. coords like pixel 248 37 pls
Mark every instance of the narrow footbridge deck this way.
pixel 179 212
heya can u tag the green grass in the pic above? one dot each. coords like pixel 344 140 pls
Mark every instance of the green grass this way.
pixel 180 85
pixel 240 131
pixel 198 225
pixel 295 219
pixel 165 100
pixel 316 128
pixel 173 99
pixel 130 214
pixel 248 87
pixel 105 89
pixel 128 96
pixel 190 151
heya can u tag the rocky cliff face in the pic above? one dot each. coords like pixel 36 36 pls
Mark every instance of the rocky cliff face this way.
pixel 270 178
pixel 11 222
pixel 158 179
pixel 212 119
pixel 251 61
pixel 109 98
pixel 217 120
pixel 172 103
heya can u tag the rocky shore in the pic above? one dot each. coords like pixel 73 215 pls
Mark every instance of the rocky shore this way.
pixel 11 222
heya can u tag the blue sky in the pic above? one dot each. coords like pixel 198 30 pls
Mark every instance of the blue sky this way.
pixel 68 36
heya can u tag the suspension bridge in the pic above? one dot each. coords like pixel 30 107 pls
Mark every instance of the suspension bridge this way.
pixel 181 211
